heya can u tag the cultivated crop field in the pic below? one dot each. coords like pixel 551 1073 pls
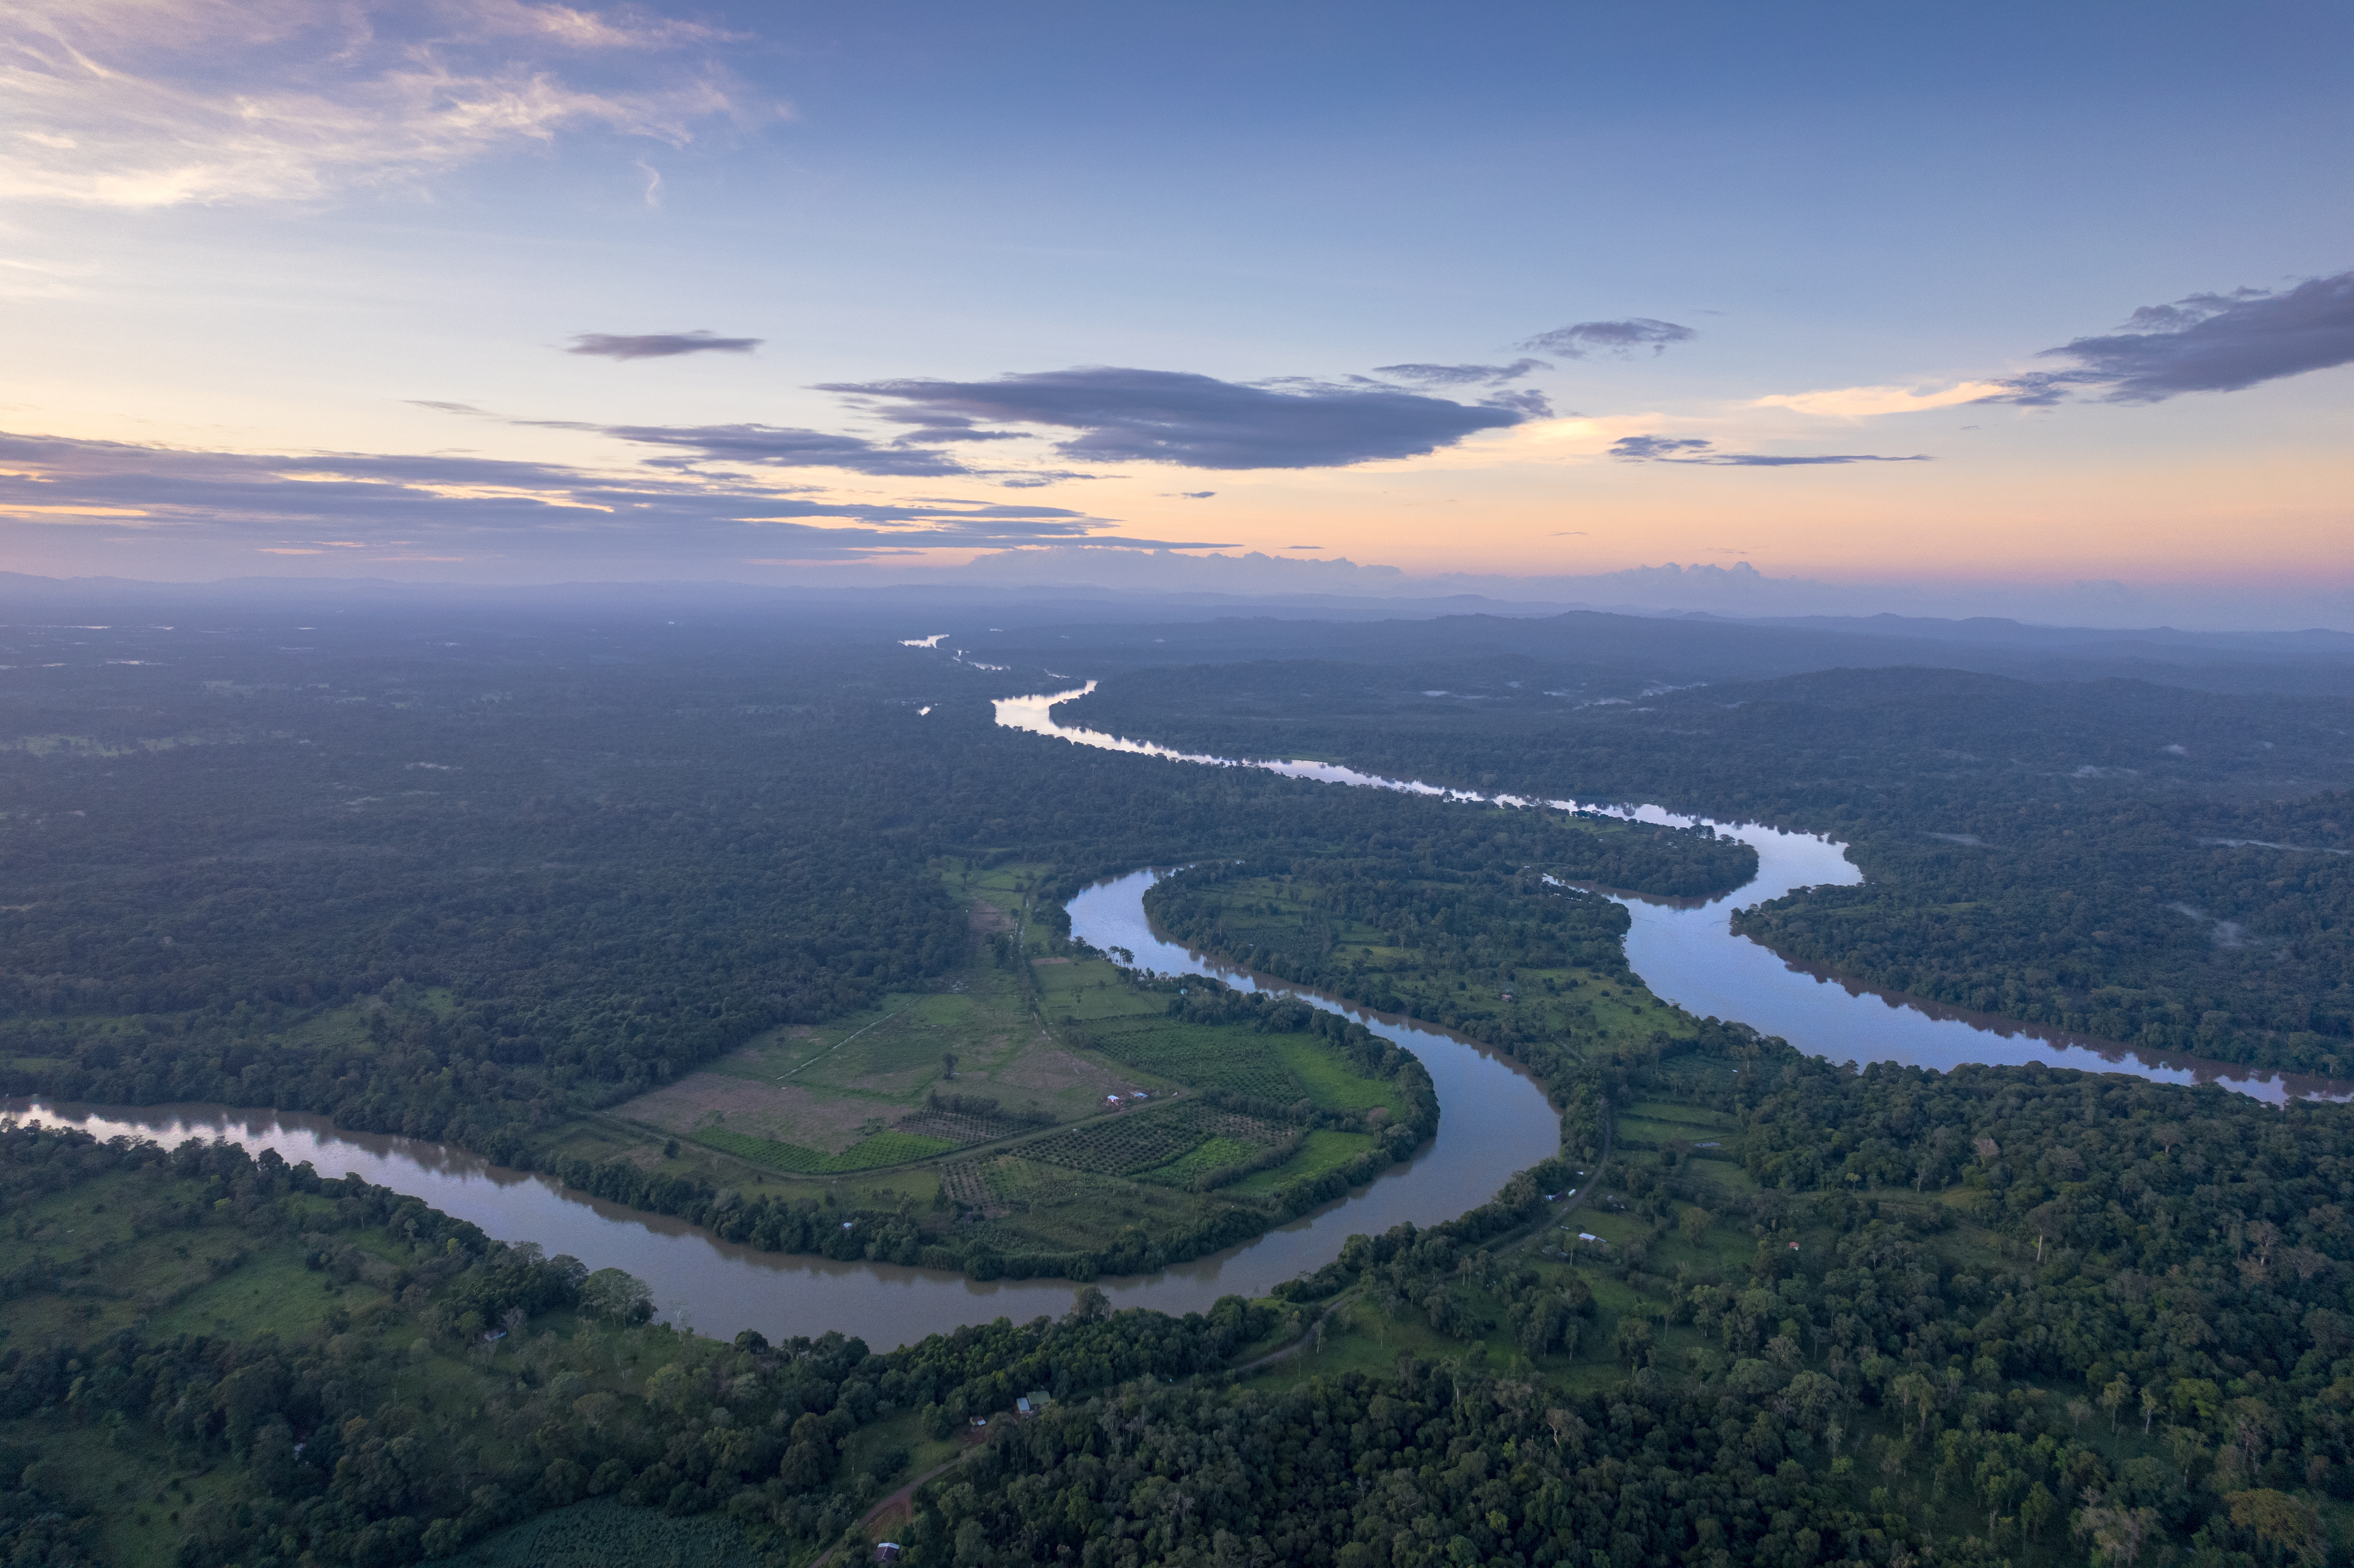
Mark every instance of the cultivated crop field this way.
pixel 1208 1058
pixel 1134 1142
pixel 1013 1137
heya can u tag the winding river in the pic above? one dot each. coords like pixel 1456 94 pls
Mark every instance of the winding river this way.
pixel 1686 952
pixel 1494 1119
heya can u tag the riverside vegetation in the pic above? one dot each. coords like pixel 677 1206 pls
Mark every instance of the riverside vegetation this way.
pixel 2165 868
pixel 1984 1317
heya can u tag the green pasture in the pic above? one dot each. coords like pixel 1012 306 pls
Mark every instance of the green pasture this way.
pixel 1324 1150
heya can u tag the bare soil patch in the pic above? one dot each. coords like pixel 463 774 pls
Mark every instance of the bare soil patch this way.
pixel 784 1114
pixel 987 918
pixel 1056 1072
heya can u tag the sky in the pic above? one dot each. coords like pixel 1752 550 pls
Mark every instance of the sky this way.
pixel 505 292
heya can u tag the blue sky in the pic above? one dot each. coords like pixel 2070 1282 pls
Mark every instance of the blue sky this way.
pixel 342 254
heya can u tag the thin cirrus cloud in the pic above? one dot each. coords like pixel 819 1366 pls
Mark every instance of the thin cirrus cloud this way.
pixel 1617 340
pixel 2205 343
pixel 1694 450
pixel 122 104
pixel 689 448
pixel 1461 374
pixel 778 445
pixel 306 502
pixel 659 345
pixel 1197 421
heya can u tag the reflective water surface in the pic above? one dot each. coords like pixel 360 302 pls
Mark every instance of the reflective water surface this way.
pixel 1687 953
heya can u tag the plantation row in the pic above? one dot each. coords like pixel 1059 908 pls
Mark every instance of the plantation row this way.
pixel 1148 1141
pixel 1242 1065
pixel 868 1154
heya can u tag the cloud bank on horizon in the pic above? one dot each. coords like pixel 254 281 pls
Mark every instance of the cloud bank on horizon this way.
pixel 304 505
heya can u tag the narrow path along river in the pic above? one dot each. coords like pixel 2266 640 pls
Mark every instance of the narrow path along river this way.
pixel 1687 952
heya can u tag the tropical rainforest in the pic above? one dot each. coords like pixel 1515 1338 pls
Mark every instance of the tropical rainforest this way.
pixel 493 879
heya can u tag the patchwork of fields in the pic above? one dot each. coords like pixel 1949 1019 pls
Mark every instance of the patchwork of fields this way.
pixel 1038 1099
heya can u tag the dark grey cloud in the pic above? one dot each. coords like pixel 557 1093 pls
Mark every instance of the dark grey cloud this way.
pixel 2204 343
pixel 1163 416
pixel 777 446
pixel 1692 449
pixel 1617 339
pixel 659 345
pixel 1461 374
pixel 933 429
pixel 1192 494
pixel 478 506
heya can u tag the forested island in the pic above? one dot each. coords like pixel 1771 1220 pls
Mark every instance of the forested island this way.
pixel 765 929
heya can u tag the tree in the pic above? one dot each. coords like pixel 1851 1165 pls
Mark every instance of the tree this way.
pixel 2290 1525
pixel 618 1295
pixel 948 1065
pixel 2112 1399
pixel 1631 1340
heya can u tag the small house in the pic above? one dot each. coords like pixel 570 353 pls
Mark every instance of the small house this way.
pixel 886 1552
pixel 1022 1408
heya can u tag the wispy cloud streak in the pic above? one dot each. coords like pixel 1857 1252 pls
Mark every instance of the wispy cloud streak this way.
pixel 123 104
pixel 356 501
pixel 1694 450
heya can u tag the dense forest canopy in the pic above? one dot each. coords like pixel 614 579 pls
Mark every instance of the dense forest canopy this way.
pixel 608 854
